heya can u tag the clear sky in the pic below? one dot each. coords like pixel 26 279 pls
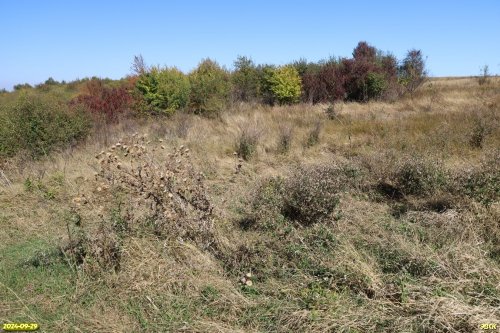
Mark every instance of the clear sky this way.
pixel 69 39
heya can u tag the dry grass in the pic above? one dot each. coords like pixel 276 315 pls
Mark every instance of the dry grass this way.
pixel 411 246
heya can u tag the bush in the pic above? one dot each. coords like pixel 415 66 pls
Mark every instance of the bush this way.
pixel 22 86
pixel 168 199
pixel 245 79
pixel 326 85
pixel 285 84
pixel 102 101
pixel 38 125
pixel 164 90
pixel 479 133
pixel 285 139
pixel 368 74
pixel 313 135
pixel 412 71
pixel 484 77
pixel 312 193
pixel 210 87
pixel 375 85
pixel 309 195
pixel 247 141
pixel 483 182
pixel 265 92
pixel 415 176
pixel 268 203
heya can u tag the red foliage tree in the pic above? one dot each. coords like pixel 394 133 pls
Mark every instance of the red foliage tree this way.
pixel 104 101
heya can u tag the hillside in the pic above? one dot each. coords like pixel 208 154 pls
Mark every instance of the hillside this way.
pixel 361 217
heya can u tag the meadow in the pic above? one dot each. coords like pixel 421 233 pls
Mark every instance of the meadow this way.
pixel 353 216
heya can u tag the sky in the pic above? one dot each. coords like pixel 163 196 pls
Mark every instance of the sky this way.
pixel 67 40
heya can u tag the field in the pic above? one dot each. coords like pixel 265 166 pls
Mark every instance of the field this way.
pixel 357 217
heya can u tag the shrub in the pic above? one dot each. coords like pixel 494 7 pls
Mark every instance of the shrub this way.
pixel 484 77
pixel 483 182
pixel 22 86
pixel 265 92
pixel 168 199
pixel 313 135
pixel 326 85
pixel 309 195
pixel 38 125
pixel 247 141
pixel 245 80
pixel 210 88
pixel 285 84
pixel 416 176
pixel 368 73
pixel 267 203
pixel 285 139
pixel 479 133
pixel 312 193
pixel 412 71
pixel 102 101
pixel 164 90
pixel 375 85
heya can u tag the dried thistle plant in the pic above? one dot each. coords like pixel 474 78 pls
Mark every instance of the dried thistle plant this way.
pixel 170 195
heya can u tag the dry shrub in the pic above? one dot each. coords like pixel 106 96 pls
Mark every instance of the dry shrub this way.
pixel 480 131
pixel 313 135
pixel 169 196
pixel 309 195
pixel 94 251
pixel 166 199
pixel 480 183
pixel 248 140
pixel 417 176
pixel 267 204
pixel 285 137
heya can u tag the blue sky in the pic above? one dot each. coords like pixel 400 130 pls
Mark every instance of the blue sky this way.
pixel 75 39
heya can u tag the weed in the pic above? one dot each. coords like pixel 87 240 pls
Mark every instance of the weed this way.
pixel 247 142
pixel 313 135
pixel 285 138
pixel 479 133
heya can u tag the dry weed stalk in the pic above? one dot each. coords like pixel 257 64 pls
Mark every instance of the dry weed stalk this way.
pixel 169 194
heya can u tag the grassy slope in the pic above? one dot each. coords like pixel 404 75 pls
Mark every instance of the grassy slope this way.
pixel 377 264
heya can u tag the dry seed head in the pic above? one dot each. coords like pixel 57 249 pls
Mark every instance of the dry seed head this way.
pixel 249 283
